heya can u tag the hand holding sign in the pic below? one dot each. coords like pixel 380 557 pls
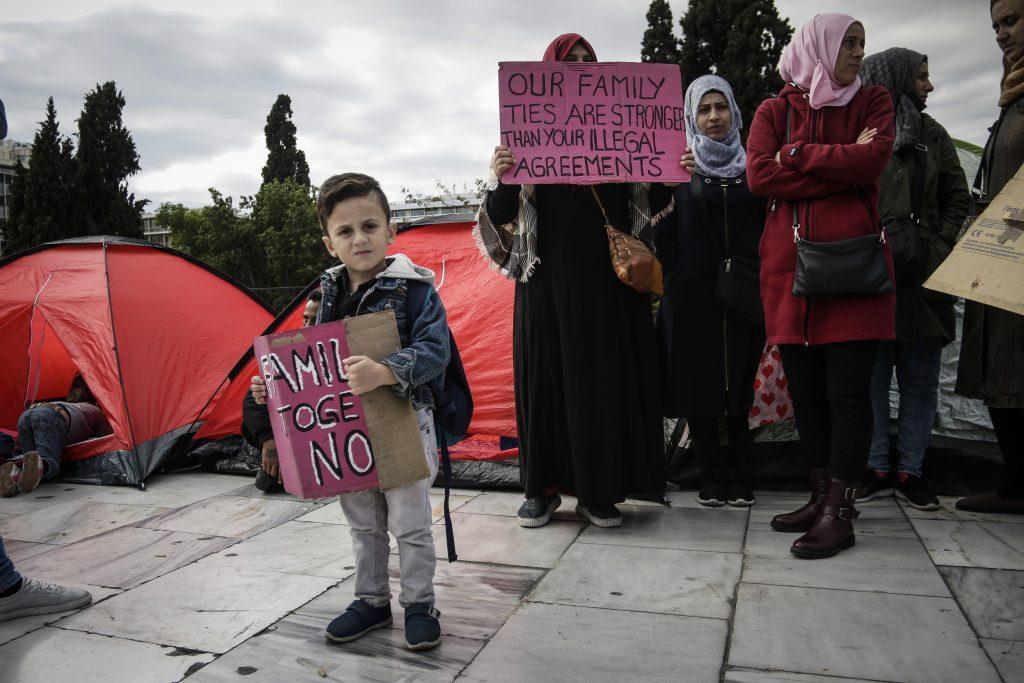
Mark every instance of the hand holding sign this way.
pixel 502 160
pixel 365 375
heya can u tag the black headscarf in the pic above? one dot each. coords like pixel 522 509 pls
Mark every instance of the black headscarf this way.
pixel 896 70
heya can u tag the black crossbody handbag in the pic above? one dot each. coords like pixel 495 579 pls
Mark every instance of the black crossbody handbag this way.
pixel 853 267
pixel 738 279
pixel 901 231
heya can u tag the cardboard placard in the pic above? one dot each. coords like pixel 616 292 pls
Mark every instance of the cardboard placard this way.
pixel 987 263
pixel 330 441
pixel 592 122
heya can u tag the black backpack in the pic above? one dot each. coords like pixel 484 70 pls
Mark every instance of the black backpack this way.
pixel 453 401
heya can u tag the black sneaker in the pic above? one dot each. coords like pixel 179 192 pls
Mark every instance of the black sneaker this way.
pixel 422 628
pixel 917 494
pixel 266 483
pixel 875 485
pixel 738 493
pixel 535 512
pixel 605 517
pixel 358 619
pixel 713 492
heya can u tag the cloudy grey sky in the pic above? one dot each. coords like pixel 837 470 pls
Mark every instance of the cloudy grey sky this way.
pixel 403 90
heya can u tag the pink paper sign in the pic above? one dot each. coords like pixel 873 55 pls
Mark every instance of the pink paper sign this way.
pixel 319 426
pixel 605 122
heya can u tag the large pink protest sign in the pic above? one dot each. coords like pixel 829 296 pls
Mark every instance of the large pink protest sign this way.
pixel 320 428
pixel 579 122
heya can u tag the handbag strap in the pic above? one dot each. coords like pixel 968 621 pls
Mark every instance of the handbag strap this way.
pixel 796 217
pixel 607 223
pixel 917 187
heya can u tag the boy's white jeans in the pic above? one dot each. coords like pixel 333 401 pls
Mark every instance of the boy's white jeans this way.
pixel 405 512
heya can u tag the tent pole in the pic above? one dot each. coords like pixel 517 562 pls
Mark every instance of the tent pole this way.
pixel 120 374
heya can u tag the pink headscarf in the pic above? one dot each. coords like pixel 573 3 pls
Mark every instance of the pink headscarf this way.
pixel 809 60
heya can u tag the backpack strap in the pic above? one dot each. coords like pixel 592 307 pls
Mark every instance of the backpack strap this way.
pixel 415 299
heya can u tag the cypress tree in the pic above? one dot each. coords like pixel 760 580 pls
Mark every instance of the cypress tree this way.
pixel 284 159
pixel 659 45
pixel 106 158
pixel 43 198
pixel 741 41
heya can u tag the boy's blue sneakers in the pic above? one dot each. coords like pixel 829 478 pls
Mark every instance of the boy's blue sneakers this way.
pixel 358 619
pixel 422 628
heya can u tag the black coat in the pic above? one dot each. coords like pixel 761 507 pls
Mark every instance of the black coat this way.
pixel 711 356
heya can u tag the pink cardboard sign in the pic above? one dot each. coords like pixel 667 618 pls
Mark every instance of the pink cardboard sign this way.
pixel 603 122
pixel 323 443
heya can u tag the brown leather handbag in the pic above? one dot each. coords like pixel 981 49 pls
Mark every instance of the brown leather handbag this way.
pixel 632 260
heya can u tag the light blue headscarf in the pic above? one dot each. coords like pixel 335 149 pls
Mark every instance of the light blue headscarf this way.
pixel 724 158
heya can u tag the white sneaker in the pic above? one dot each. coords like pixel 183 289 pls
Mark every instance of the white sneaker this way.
pixel 40 597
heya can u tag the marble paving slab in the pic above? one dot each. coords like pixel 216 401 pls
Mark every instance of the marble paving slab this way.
pixel 292 548
pixel 1008 656
pixel 996 545
pixel 877 517
pixel 325 514
pixel 675 528
pixel 200 606
pixel 876 563
pixel 19 551
pixel 754 676
pixel 507 503
pixel 500 540
pixel 949 511
pixel 993 599
pixel 682 582
pixel 474 599
pixel 562 643
pixel 229 516
pixel 855 634
pixel 64 523
pixel 294 649
pixel 15 628
pixel 455 502
pixel 171 490
pixel 46 496
pixel 125 557
pixel 58 656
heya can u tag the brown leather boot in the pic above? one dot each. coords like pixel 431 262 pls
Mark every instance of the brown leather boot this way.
pixel 803 519
pixel 833 529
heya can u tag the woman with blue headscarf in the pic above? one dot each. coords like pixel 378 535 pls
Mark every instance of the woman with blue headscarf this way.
pixel 711 352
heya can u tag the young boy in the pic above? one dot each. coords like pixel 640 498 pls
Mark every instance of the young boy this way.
pixel 355 219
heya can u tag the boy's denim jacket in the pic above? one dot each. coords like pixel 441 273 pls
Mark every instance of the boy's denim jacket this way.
pixel 424 354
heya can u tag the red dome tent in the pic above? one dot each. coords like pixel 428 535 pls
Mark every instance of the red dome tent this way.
pixel 479 306
pixel 153 333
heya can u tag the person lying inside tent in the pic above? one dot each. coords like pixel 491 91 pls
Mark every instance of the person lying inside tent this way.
pixel 43 431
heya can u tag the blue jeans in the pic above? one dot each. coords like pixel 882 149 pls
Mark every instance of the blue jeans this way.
pixel 8 574
pixel 44 431
pixel 917 376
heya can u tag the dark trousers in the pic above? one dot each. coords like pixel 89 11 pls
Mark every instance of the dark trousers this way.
pixel 704 431
pixel 43 430
pixel 1009 426
pixel 831 389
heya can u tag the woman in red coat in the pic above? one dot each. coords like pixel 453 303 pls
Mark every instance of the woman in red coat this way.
pixel 827 167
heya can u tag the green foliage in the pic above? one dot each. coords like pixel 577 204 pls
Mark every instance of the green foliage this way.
pixel 968 146
pixel 660 44
pixel 105 159
pixel 43 204
pixel 285 161
pixel 741 41
pixel 270 243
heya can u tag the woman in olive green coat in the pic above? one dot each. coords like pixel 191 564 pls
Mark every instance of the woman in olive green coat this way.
pixel 924 187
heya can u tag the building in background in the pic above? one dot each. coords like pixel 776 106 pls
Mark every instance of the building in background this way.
pixel 422 207
pixel 153 232
pixel 10 152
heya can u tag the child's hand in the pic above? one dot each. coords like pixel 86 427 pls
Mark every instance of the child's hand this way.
pixel 365 375
pixel 259 390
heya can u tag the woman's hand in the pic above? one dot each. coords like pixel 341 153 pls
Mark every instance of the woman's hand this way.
pixel 501 161
pixel 866 136
pixel 259 390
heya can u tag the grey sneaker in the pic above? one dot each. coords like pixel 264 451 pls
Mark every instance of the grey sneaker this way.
pixel 40 597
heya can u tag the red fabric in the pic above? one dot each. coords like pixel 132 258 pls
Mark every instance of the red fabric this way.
pixel 823 176
pixel 478 302
pixel 224 415
pixel 153 346
pixel 560 46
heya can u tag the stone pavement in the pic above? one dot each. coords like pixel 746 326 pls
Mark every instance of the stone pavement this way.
pixel 205 578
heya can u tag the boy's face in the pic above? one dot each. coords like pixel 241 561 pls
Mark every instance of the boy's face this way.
pixel 358 235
